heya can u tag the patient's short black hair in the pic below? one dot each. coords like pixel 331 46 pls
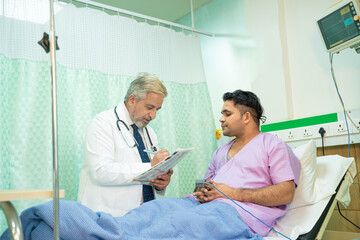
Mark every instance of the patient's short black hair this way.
pixel 248 99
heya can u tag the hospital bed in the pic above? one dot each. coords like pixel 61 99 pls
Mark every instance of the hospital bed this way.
pixel 324 181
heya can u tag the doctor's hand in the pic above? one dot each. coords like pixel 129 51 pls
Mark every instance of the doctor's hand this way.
pixel 159 156
pixel 162 180
pixel 209 193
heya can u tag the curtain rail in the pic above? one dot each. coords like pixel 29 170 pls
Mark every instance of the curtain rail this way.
pixel 134 14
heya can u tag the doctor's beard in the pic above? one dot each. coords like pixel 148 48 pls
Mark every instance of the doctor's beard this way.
pixel 141 122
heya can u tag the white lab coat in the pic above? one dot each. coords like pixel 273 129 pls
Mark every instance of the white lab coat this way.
pixel 109 164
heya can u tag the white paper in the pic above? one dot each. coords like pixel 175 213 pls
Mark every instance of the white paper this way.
pixel 162 167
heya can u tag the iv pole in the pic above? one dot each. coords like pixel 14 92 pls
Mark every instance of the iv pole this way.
pixel 54 125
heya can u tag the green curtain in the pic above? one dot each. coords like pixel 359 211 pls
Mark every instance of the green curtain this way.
pixel 185 120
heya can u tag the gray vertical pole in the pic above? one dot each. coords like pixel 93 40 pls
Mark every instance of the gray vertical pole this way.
pixel 54 124
pixel 192 14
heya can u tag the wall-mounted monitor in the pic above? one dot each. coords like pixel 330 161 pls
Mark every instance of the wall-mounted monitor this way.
pixel 340 26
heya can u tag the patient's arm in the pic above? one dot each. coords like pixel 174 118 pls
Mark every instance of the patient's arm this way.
pixel 274 195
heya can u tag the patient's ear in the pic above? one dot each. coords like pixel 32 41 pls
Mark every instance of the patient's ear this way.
pixel 246 117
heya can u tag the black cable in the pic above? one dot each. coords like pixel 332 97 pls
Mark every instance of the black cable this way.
pixel 322 132
pixel 345 217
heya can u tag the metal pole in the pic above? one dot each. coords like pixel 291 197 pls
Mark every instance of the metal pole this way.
pixel 192 14
pixel 13 221
pixel 54 125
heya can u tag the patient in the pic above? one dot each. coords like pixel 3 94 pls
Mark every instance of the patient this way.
pixel 257 170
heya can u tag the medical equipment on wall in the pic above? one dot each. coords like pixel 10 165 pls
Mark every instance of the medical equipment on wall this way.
pixel 128 137
pixel 340 26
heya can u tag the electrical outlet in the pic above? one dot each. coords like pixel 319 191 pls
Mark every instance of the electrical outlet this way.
pixel 307 132
pixel 341 127
pixel 290 134
pixel 277 134
pixel 357 123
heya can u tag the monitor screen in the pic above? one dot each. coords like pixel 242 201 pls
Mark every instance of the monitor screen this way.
pixel 340 26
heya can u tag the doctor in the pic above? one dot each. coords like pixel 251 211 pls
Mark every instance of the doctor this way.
pixel 113 151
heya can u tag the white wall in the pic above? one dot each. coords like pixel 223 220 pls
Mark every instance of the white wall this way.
pixel 268 77
pixel 312 86
pixel 274 48
pixel 226 55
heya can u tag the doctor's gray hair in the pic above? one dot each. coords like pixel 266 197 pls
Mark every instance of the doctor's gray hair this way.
pixel 144 84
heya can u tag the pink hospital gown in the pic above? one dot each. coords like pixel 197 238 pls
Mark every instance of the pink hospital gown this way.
pixel 264 161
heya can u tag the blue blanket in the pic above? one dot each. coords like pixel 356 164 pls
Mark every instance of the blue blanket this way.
pixel 169 218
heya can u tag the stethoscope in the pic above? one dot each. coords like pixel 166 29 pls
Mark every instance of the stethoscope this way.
pixel 153 148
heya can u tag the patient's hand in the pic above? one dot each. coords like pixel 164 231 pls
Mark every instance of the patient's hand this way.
pixel 209 193
pixel 200 194
pixel 162 180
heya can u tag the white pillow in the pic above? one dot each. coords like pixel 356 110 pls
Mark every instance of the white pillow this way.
pixel 300 220
pixel 305 193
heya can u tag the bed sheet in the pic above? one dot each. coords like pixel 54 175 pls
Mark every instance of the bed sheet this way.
pixel 167 218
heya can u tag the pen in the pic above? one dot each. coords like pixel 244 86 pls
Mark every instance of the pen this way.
pixel 149 151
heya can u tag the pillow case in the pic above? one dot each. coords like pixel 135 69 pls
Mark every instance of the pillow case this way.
pixel 305 193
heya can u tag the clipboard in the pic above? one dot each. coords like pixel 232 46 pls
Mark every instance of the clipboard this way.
pixel 162 167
